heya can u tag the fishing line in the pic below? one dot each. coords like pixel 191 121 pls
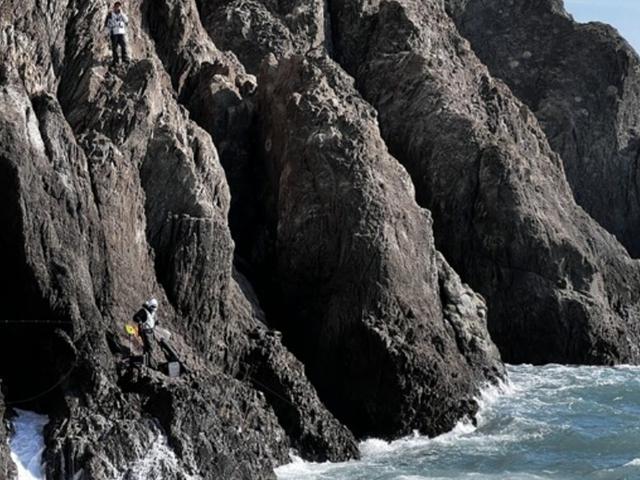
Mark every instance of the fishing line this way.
pixel 44 392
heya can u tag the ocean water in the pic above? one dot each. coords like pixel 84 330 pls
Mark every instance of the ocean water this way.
pixel 551 422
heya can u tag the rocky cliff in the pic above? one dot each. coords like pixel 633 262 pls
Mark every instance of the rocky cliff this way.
pixel 305 186
pixel 582 81
pixel 113 193
pixel 6 465
pixel 363 288
pixel 558 286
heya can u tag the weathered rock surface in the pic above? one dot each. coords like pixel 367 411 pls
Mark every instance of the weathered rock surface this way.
pixel 236 25
pixel 559 288
pixel 214 94
pixel 121 423
pixel 89 403
pixel 6 465
pixel 582 81
pixel 282 379
pixel 357 266
pixel 284 17
pixel 112 194
pixel 215 89
pixel 254 29
pixel 153 178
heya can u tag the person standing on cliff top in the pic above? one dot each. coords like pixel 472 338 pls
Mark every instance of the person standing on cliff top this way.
pixel 117 22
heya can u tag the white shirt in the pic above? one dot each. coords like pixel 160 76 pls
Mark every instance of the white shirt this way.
pixel 150 323
pixel 117 23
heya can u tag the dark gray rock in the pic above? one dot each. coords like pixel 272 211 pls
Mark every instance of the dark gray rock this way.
pixel 7 469
pixel 118 183
pixel 328 439
pixel 90 403
pixel 314 433
pixel 203 425
pixel 254 29
pixel 215 89
pixel 582 81
pixel 559 288
pixel 357 266
pixel 113 195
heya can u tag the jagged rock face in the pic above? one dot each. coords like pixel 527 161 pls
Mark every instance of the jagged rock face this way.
pixel 112 195
pixel 215 97
pixel 313 432
pixel 49 168
pixel 7 469
pixel 559 288
pixel 582 81
pixel 215 89
pixel 116 431
pixel 254 29
pixel 357 264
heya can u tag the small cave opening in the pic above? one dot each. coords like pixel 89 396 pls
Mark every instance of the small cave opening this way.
pixel 32 355
pixel 32 368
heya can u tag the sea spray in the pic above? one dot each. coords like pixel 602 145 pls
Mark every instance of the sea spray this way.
pixel 375 449
pixel 27 444
pixel 159 462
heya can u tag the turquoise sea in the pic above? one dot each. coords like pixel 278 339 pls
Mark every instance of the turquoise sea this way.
pixel 550 422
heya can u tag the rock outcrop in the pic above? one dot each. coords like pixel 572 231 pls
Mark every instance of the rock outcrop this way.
pixel 162 176
pixel 582 81
pixel 113 194
pixel 390 347
pixel 237 25
pixel 559 288
pixel 313 433
pixel 6 465
pixel 214 87
pixel 80 359
pixel 254 29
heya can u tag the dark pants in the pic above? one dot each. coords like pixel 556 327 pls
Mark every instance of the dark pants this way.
pixel 119 41
pixel 147 344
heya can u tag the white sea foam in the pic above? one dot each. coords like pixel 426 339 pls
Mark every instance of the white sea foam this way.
pixel 299 468
pixel 27 447
pixel 374 449
pixel 159 462
pixel 27 444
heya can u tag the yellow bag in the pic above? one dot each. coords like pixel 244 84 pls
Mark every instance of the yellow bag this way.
pixel 131 329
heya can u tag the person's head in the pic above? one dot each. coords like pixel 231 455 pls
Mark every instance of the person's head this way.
pixel 117 7
pixel 151 305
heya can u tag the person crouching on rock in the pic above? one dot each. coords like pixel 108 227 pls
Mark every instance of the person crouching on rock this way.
pixel 146 320
pixel 117 22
